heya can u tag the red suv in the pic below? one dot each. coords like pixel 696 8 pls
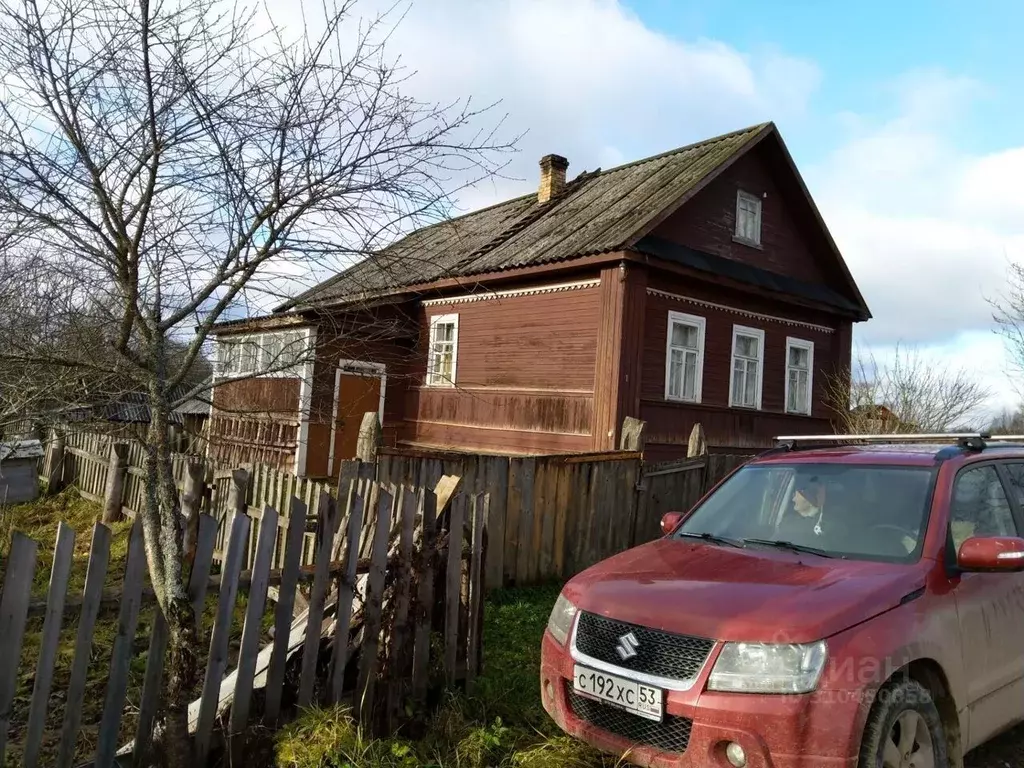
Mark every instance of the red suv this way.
pixel 859 603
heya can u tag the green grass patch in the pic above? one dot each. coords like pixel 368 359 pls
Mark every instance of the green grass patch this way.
pixel 503 725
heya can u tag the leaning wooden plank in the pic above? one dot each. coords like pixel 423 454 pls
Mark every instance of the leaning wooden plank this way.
pixel 346 592
pixel 152 687
pixel 221 634
pixel 425 596
pixel 400 656
pixel 453 586
pixel 251 628
pixel 365 685
pixel 59 572
pixel 481 502
pixel 21 565
pixel 317 598
pixel 96 572
pixel 121 656
pixel 283 613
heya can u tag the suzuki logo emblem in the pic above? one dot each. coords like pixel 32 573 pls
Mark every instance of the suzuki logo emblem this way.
pixel 627 646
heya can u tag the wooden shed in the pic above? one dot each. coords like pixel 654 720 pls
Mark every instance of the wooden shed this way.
pixel 19 471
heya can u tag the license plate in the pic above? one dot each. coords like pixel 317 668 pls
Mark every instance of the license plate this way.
pixel 634 697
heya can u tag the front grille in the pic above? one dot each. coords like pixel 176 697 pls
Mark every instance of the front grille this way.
pixel 677 657
pixel 670 735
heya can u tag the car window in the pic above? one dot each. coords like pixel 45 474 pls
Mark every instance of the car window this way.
pixel 858 511
pixel 1015 473
pixel 979 506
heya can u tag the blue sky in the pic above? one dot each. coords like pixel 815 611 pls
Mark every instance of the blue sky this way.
pixel 903 118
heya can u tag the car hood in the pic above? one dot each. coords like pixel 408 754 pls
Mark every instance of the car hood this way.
pixel 752 594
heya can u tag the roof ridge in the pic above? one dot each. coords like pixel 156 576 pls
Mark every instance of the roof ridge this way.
pixel 704 142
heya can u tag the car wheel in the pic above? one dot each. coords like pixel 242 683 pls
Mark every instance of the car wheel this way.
pixel 904 730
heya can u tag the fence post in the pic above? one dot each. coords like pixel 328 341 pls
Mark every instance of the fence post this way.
pixel 191 502
pixel 115 482
pixel 55 465
pixel 369 439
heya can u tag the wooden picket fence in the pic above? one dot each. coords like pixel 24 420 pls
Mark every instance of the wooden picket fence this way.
pixel 424 577
pixel 551 517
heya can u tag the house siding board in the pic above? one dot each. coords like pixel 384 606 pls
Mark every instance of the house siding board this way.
pixel 670 423
pixel 269 396
pixel 524 373
pixel 708 221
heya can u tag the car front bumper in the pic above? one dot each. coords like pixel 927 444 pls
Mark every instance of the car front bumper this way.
pixel 775 731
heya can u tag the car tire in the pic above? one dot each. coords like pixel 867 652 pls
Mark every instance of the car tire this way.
pixel 904 722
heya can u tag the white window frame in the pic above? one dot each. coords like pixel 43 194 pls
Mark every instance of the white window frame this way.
pixel 738 234
pixel 795 343
pixel 745 330
pixel 701 324
pixel 301 336
pixel 431 380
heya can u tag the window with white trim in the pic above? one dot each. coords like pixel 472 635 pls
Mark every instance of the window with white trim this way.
pixel 747 367
pixel 799 375
pixel 274 353
pixel 684 357
pixel 748 218
pixel 444 346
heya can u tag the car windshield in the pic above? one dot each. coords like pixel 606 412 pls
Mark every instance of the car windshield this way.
pixel 832 510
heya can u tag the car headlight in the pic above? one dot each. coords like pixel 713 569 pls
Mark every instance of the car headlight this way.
pixel 560 621
pixel 767 668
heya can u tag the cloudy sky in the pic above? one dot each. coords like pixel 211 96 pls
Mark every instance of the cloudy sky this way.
pixel 902 118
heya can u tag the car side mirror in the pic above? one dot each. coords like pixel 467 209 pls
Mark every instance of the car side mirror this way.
pixel 670 521
pixel 995 553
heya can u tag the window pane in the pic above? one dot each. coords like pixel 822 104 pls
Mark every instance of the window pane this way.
pixel 444 331
pixel 751 387
pixel 980 507
pixel 690 376
pixel 675 373
pixel 746 346
pixel 798 357
pixel 1016 474
pixel 684 335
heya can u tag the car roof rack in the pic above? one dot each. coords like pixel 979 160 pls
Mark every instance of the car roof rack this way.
pixel 975 441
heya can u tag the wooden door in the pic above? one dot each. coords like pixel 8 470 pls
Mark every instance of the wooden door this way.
pixel 355 395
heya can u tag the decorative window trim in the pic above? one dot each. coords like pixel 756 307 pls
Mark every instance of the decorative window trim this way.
pixel 512 293
pixel 430 380
pixel 701 325
pixel 741 312
pixel 744 330
pixel 742 196
pixel 791 343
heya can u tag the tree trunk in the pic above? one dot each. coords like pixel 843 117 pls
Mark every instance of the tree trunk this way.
pixel 164 536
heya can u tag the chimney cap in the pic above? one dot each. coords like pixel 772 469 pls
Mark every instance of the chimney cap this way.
pixel 554 162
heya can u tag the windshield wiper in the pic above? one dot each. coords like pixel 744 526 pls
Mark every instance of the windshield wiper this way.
pixel 712 538
pixel 791 546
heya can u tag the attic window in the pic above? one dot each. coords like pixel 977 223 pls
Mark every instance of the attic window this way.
pixel 748 218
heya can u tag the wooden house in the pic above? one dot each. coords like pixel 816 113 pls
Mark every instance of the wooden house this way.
pixel 699 285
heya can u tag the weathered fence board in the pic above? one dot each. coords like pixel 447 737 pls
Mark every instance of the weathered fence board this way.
pixel 21 565
pixel 96 572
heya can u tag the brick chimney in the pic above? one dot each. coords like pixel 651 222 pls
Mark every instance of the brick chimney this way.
pixel 552 176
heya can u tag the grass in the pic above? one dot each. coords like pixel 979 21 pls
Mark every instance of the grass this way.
pixel 503 725
pixel 39 520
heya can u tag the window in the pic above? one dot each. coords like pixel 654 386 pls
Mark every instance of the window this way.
pixel 684 357
pixel 747 367
pixel 799 375
pixel 748 218
pixel 863 512
pixel 444 343
pixel 276 353
pixel 979 506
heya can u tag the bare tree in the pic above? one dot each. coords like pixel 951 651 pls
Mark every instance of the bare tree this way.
pixel 164 165
pixel 1008 314
pixel 908 393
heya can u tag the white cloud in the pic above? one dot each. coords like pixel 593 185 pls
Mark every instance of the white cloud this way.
pixel 586 79
pixel 927 228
